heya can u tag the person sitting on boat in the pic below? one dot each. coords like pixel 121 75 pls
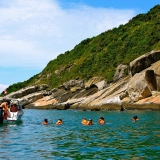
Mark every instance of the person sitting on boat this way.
pixel 13 108
pixel 59 122
pixel 101 121
pixel 5 105
pixel 45 122
pixel 134 119
pixel 84 121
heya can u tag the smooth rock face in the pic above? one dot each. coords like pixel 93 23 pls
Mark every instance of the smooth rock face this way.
pixel 73 83
pixel 144 62
pixel 120 72
pixel 101 85
pixel 156 68
pixel 138 87
pixel 93 81
pixel 151 80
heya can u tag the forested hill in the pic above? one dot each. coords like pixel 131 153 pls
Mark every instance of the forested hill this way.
pixel 100 55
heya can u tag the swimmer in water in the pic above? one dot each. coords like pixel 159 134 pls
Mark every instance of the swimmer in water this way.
pixel 45 122
pixel 101 121
pixel 89 122
pixel 84 121
pixel 59 122
pixel 134 119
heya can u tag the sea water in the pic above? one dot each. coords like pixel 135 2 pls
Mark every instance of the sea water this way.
pixel 118 138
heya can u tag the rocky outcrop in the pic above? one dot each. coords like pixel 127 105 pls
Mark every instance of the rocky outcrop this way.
pixel 31 98
pixel 144 62
pixel 156 68
pixel 138 87
pixel 93 81
pixel 101 85
pixel 74 84
pixel 28 90
pixel 139 91
pixel 23 92
pixel 121 71
pixel 43 103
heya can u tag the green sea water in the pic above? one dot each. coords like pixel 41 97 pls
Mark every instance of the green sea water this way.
pixel 119 138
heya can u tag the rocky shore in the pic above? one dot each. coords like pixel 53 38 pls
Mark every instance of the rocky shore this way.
pixel 139 90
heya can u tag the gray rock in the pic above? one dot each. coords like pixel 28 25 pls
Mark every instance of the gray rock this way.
pixel 101 85
pixel 144 62
pixel 93 81
pixel 73 83
pixel 138 87
pixel 23 92
pixel 121 71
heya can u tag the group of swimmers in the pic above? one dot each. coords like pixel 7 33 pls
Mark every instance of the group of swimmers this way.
pixel 89 122
pixel 84 121
pixel 59 122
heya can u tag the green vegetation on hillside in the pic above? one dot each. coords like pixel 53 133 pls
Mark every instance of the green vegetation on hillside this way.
pixel 99 56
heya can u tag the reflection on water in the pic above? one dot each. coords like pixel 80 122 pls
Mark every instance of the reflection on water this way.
pixel 118 138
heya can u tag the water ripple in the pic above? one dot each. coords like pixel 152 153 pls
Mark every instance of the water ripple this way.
pixel 118 138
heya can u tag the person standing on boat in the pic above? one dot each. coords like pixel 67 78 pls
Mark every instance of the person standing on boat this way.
pixel 5 92
pixel 4 105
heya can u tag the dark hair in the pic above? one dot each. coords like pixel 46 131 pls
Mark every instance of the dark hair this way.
pixel 6 101
pixel 135 117
pixel 102 118
pixel 46 120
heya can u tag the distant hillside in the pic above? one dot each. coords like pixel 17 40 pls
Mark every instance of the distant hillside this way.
pixel 100 55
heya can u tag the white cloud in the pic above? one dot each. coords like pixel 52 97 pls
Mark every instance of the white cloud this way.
pixel 34 32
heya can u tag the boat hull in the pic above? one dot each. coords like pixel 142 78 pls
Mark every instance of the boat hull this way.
pixel 14 117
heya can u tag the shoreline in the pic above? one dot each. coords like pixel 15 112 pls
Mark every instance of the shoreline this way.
pixel 140 107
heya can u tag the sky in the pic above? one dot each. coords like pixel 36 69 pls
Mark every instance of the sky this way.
pixel 33 32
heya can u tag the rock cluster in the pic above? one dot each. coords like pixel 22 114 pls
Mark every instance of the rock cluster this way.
pixel 139 90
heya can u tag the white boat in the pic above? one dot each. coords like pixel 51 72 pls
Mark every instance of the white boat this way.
pixel 15 112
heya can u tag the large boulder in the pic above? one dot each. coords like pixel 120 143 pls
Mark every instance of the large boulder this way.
pixel 151 80
pixel 101 85
pixel 73 84
pixel 23 92
pixel 95 80
pixel 156 68
pixel 107 98
pixel 28 90
pixel 121 71
pixel 144 62
pixel 138 87
pixel 43 103
pixel 31 98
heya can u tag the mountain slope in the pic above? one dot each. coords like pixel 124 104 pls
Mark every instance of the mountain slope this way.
pixel 99 56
